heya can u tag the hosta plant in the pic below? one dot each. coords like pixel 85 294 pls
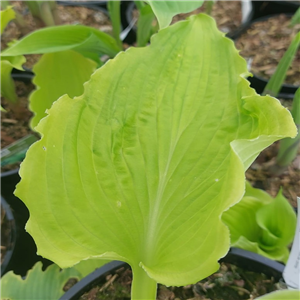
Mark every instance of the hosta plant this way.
pixel 9 62
pixel 142 165
pixel 262 224
pixel 44 284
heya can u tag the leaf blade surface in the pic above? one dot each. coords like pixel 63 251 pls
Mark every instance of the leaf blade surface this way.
pixel 152 158
pixel 66 73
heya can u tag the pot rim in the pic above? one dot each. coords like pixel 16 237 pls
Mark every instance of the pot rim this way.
pixel 251 261
pixel 13 238
pixel 94 2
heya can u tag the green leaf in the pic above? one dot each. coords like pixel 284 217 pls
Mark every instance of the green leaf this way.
pixel 38 284
pixel 278 222
pixel 7 84
pixel 166 10
pixel 85 267
pixel 82 39
pixel 296 18
pixel 6 16
pixel 15 61
pixel 261 224
pixel 57 74
pixel 282 295
pixel 274 85
pixel 288 148
pixel 144 25
pixel 241 218
pixel 115 16
pixel 142 165
pixel 209 6
pixel 278 254
pixel 139 4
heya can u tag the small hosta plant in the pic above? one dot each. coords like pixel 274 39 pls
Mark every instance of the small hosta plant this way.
pixel 9 62
pixel 45 284
pixel 141 166
pixel 262 224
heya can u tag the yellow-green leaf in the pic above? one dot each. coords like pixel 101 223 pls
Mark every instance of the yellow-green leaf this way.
pixel 141 167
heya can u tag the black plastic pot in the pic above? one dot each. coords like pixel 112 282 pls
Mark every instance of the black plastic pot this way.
pixel 96 5
pixel 24 76
pixel 99 4
pixel 24 255
pixel 9 179
pixel 258 83
pixel 266 8
pixel 287 91
pixel 11 226
pixel 247 260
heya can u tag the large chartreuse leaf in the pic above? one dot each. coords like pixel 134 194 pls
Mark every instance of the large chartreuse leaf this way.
pixel 166 10
pixel 83 39
pixel 57 74
pixel 282 295
pixel 261 224
pixel 142 165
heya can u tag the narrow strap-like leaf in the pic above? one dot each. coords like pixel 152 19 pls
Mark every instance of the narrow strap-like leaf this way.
pixel 115 16
pixel 274 85
pixel 66 37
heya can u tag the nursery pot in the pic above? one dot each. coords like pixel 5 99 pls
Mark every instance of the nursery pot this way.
pixel 100 4
pixel 23 76
pixel 16 150
pixel 24 252
pixel 9 181
pixel 266 8
pixel 96 5
pixel 23 255
pixel 8 237
pixel 258 82
pixel 242 258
